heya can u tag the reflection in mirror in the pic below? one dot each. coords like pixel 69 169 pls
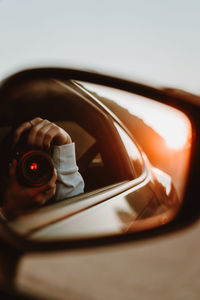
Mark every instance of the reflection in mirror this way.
pixel 82 160
pixel 163 132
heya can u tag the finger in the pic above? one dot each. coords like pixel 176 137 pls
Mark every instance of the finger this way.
pixel 57 134
pixel 23 127
pixel 36 120
pixel 20 130
pixel 62 137
pixel 49 192
pixel 44 196
pixel 37 133
pixel 41 135
pixel 53 179
pixel 53 130
pixel 42 199
pixel 33 191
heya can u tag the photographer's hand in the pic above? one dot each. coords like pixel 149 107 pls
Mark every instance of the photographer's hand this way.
pixel 42 133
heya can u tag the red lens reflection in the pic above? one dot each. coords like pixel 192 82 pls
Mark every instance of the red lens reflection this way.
pixel 33 166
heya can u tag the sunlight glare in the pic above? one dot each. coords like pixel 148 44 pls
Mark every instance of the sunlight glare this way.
pixel 172 125
pixel 168 122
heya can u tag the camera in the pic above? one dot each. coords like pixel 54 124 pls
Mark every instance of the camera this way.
pixel 34 166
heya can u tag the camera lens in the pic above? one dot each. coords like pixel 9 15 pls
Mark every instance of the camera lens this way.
pixel 35 168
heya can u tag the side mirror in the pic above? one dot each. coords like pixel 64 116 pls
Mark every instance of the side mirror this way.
pixel 137 150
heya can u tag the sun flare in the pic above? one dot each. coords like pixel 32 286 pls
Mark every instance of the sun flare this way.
pixel 170 123
pixel 173 126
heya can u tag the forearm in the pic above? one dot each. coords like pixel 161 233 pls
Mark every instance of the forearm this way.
pixel 69 180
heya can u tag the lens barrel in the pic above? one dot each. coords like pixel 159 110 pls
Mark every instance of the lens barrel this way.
pixel 34 168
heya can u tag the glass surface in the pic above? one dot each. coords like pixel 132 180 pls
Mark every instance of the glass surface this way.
pixel 163 132
pixel 131 155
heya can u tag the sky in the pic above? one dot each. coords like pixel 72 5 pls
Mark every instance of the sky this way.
pixel 154 42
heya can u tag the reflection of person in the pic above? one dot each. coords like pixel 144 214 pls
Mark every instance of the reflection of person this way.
pixel 66 180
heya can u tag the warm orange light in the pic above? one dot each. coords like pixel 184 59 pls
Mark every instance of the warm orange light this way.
pixel 33 166
pixel 175 141
pixel 175 129
pixel 171 124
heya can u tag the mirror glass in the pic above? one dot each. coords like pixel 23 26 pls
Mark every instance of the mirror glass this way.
pixel 81 160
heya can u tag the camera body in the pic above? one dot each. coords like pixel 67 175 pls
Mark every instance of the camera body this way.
pixel 34 166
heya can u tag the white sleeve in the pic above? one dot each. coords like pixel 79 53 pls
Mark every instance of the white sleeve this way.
pixel 69 180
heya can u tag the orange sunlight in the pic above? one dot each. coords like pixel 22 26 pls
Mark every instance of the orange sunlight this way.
pixel 172 125
pixel 168 122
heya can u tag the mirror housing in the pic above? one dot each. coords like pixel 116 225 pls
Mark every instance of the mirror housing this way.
pixel 187 103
